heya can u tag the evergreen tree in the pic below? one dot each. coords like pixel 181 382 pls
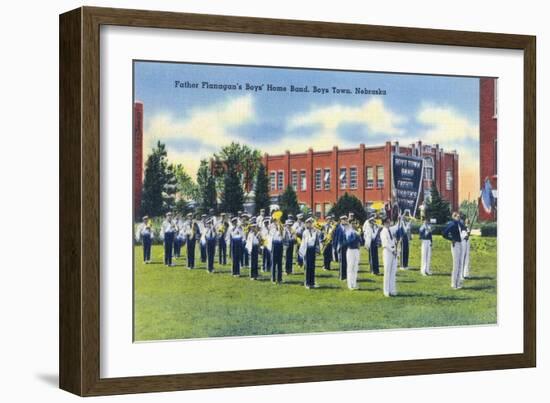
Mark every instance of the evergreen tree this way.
pixel 288 202
pixel 437 207
pixel 210 199
pixel 233 194
pixel 206 188
pixel 261 195
pixel 349 204
pixel 159 184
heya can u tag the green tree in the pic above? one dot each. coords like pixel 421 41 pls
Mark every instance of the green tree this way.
pixel 261 195
pixel 349 204
pixel 469 208
pixel 186 187
pixel 159 184
pixel 210 197
pixel 288 202
pixel 233 194
pixel 206 188
pixel 437 207
pixel 240 159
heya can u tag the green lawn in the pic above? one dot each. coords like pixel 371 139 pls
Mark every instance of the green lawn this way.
pixel 176 303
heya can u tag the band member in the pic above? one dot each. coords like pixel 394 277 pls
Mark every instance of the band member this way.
pixel 276 234
pixel 340 246
pixel 452 232
pixel 405 236
pixel 181 238
pixel 266 252
pixel 389 247
pixel 465 234
pixel 177 240
pixel 308 250
pixel 425 235
pixel 371 234
pixel 327 234
pixel 193 233
pixel 387 208
pixel 395 212
pixel 260 218
pixel 167 233
pixel 222 229
pixel 245 258
pixel 289 240
pixel 237 235
pixel 298 228
pixel 253 247
pixel 352 240
pixel 210 238
pixel 144 233
pixel 202 239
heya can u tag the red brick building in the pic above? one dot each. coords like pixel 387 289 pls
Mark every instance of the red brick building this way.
pixel 138 155
pixel 321 177
pixel 488 139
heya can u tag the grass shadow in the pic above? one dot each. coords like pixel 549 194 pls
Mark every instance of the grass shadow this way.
pixel 293 282
pixel 371 289
pixel 480 287
pixel 325 275
pixel 412 294
pixel 452 298
pixel 327 286
pixel 220 271
pixel 365 280
pixel 480 278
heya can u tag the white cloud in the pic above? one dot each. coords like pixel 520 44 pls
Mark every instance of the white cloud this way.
pixel 210 125
pixel 206 127
pixel 446 125
pixel 373 114
pixel 453 131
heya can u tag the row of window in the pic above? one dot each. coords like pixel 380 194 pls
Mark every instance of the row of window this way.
pixel 323 176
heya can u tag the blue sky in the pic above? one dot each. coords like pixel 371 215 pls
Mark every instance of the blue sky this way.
pixel 194 122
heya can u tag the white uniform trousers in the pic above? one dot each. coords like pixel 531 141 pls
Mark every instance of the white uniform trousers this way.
pixel 465 258
pixel 456 276
pixel 390 272
pixel 426 257
pixel 352 256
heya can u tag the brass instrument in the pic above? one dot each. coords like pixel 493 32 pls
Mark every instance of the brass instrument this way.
pixel 327 240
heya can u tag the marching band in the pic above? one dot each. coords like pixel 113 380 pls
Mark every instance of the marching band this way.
pixel 280 245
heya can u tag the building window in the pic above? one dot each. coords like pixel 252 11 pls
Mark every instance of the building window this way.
pixel 343 178
pixel 369 175
pixel 428 168
pixel 449 180
pixel 280 180
pixel 303 181
pixel 353 178
pixel 380 176
pixel 294 179
pixel 272 180
pixel 318 183
pixel 326 179
pixel 328 207
pixel 318 211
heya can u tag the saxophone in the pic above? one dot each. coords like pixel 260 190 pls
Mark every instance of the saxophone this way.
pixel 327 240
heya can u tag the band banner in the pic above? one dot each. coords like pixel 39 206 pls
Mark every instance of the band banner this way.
pixel 407 179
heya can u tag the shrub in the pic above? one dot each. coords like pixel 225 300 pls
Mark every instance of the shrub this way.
pixel 489 229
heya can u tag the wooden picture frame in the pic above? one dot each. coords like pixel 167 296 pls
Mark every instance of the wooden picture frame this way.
pixel 79 346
